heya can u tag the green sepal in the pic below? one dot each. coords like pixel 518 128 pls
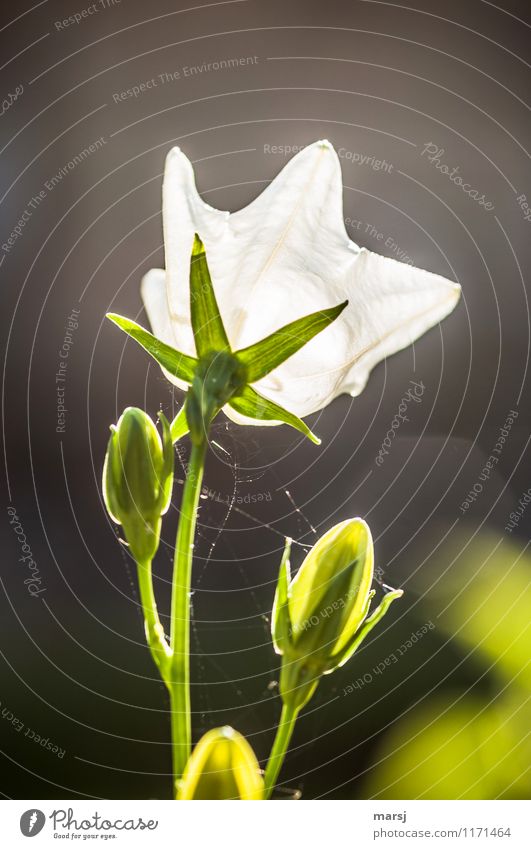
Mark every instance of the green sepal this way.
pixel 176 363
pixel 111 468
pixel 209 332
pixel 346 653
pixel 179 426
pixel 249 403
pixel 270 352
pixel 280 618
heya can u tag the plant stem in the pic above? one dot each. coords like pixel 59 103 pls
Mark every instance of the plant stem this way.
pixel 179 683
pixel 288 717
pixel 156 641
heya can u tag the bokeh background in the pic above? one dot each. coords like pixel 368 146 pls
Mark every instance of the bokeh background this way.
pixel 448 718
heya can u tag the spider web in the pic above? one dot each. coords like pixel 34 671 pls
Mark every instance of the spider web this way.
pixel 237 451
pixel 253 710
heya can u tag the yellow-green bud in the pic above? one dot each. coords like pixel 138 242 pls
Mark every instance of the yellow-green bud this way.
pixel 222 766
pixel 138 478
pixel 321 616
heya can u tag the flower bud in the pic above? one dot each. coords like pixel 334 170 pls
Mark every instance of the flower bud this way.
pixel 137 479
pixel 222 766
pixel 321 616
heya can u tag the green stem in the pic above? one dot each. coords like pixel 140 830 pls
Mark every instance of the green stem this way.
pixel 288 717
pixel 156 641
pixel 179 685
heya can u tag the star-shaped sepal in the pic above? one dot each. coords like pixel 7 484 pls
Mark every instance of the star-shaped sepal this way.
pixel 218 376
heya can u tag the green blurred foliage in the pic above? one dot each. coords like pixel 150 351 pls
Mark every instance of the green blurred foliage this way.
pixel 458 745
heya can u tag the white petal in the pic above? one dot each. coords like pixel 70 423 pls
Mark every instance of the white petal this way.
pixel 272 253
pixel 184 213
pixel 390 305
pixel 154 294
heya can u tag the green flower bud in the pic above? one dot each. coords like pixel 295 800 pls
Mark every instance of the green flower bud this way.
pixel 321 616
pixel 138 478
pixel 222 766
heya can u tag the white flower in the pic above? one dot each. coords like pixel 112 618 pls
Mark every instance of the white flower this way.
pixel 285 255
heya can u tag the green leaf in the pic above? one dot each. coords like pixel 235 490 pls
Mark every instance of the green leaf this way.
pixel 265 355
pixel 280 619
pixel 178 364
pixel 249 403
pixel 347 652
pixel 209 332
pixel 179 426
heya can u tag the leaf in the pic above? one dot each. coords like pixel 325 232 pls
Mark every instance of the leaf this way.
pixel 178 364
pixel 280 619
pixel 249 403
pixel 209 332
pixel 179 426
pixel 265 355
